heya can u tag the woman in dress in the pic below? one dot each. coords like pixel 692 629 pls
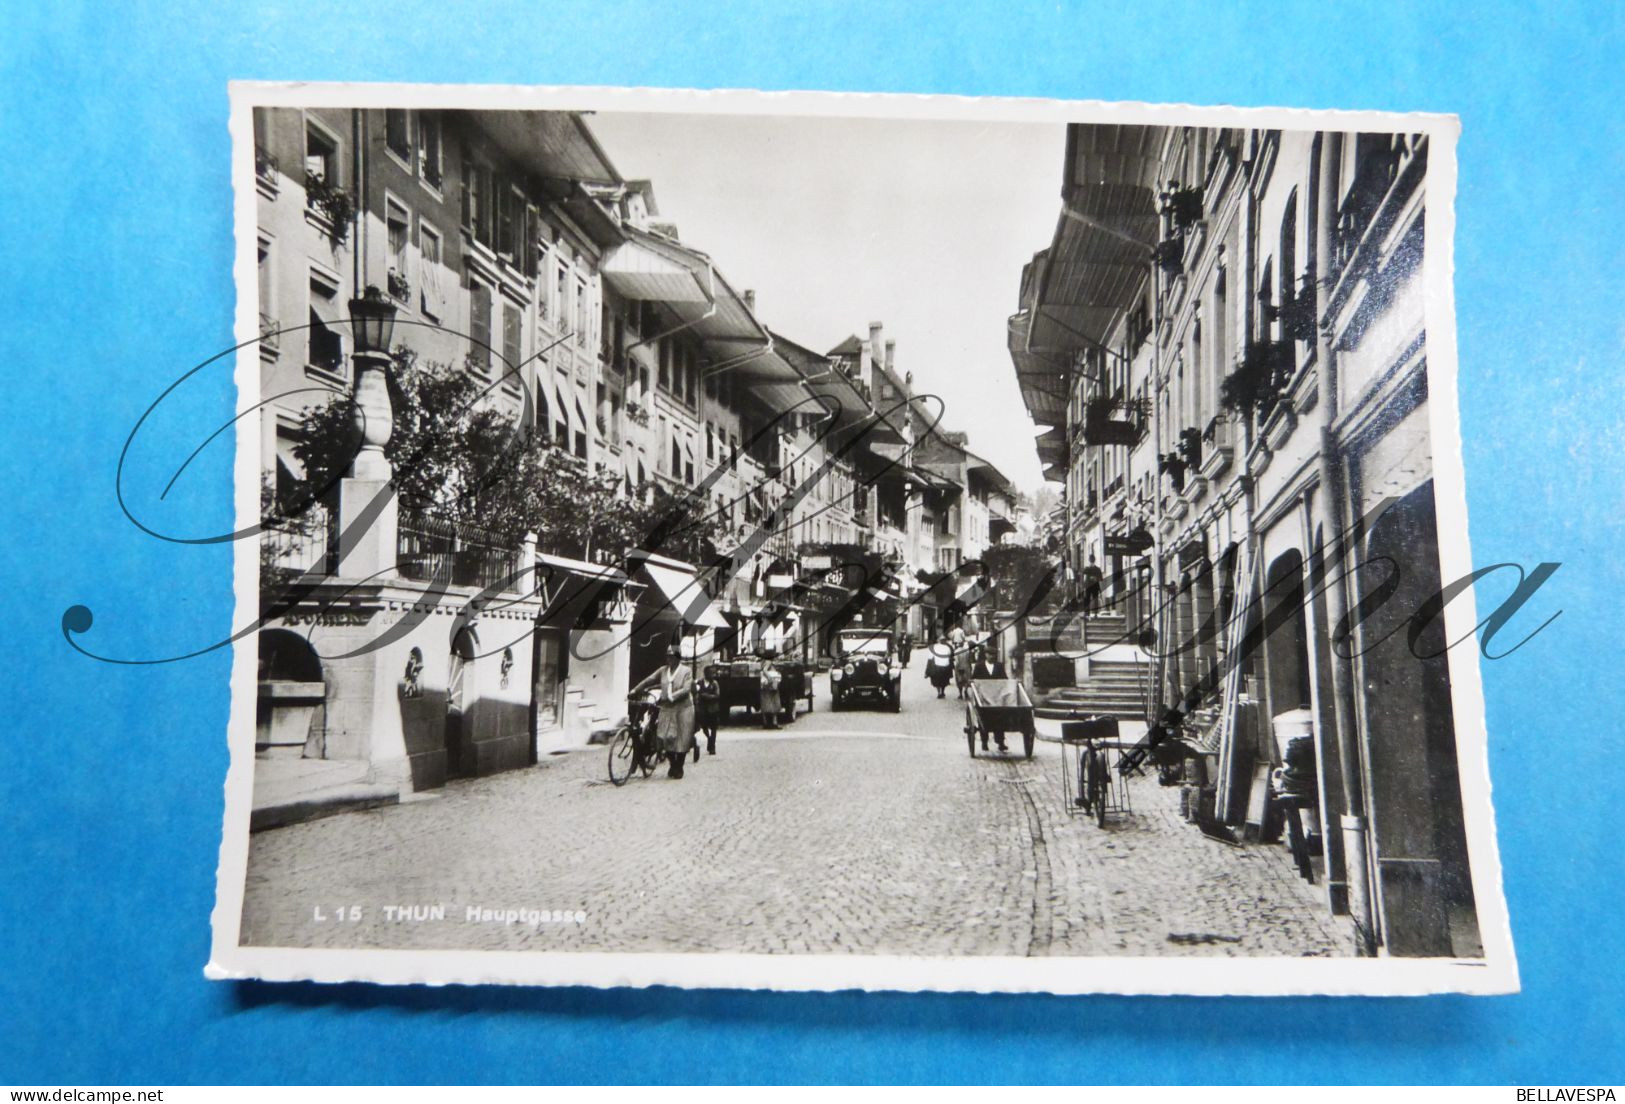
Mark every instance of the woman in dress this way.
pixel 674 731
pixel 771 705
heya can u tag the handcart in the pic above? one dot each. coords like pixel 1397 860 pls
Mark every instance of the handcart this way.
pixel 1091 783
pixel 996 707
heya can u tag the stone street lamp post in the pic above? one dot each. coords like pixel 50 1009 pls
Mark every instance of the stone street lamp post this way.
pixel 367 508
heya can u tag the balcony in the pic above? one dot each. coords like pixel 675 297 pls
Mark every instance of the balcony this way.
pixel 270 336
pixel 1100 428
pixel 265 172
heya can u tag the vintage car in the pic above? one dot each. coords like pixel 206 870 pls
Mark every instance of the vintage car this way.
pixel 740 681
pixel 864 667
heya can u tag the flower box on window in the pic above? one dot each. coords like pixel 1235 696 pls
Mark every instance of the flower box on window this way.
pixel 399 288
pixel 1184 207
pixel 1256 384
pixel 333 204
pixel 1169 255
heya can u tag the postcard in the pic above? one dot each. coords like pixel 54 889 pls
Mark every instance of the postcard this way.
pixel 814 541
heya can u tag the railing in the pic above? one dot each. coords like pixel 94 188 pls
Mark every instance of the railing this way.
pixel 265 166
pixel 270 339
pixel 431 548
pixel 296 545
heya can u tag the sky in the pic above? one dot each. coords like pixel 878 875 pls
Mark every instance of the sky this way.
pixel 923 225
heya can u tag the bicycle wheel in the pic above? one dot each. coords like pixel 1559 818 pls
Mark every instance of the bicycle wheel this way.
pixel 1097 787
pixel 622 755
pixel 647 758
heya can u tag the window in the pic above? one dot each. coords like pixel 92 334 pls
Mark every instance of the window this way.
pixel 1266 284
pixel 326 350
pixel 676 457
pixel 321 156
pixel 510 224
pixel 430 149
pixel 397 135
pixel 478 201
pixel 710 443
pixel 665 365
pixel 1289 259
pixel 431 254
pixel 479 325
pixel 544 287
pixel 529 247
pixel 583 309
pixel 511 353
pixel 267 289
pixel 397 224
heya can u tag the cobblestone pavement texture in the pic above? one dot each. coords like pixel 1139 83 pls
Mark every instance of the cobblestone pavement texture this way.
pixel 859 832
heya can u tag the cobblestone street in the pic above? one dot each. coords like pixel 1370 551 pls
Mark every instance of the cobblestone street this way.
pixel 852 832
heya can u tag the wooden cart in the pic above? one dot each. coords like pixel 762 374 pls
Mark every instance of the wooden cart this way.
pixel 999 706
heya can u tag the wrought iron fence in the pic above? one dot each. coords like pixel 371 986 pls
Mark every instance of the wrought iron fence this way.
pixel 432 548
pixel 296 545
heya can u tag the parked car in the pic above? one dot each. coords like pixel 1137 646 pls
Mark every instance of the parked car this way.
pixel 741 683
pixel 865 667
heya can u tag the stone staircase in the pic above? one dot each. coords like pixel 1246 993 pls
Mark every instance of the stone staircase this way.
pixel 1112 688
pixel 1111 681
pixel 590 718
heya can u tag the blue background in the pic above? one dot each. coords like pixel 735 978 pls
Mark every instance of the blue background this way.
pixel 117 276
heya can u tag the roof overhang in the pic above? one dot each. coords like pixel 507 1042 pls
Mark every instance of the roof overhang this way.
pixel 555 145
pixel 1100 255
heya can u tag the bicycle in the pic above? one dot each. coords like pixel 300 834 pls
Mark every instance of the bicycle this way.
pixel 1085 744
pixel 633 747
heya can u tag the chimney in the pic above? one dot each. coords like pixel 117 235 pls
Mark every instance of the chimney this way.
pixel 874 339
pixel 750 300
pixel 891 354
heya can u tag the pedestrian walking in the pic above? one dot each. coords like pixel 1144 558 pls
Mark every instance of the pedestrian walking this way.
pixel 770 703
pixel 1092 576
pixel 708 698
pixel 674 731
pixel 939 667
pixel 905 645
pixel 986 667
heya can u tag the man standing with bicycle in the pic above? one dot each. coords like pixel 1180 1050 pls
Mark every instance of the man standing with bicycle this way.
pixel 674 729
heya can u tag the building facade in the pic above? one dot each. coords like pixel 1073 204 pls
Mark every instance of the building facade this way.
pixel 412 648
pixel 1225 347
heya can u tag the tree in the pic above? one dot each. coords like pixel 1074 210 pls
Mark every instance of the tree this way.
pixel 1020 575
pixel 472 465
pixel 451 457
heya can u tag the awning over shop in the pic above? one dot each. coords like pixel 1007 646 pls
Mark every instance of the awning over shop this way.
pixel 569 586
pixel 680 589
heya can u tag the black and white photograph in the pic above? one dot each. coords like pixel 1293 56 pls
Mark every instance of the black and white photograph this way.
pixel 822 541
